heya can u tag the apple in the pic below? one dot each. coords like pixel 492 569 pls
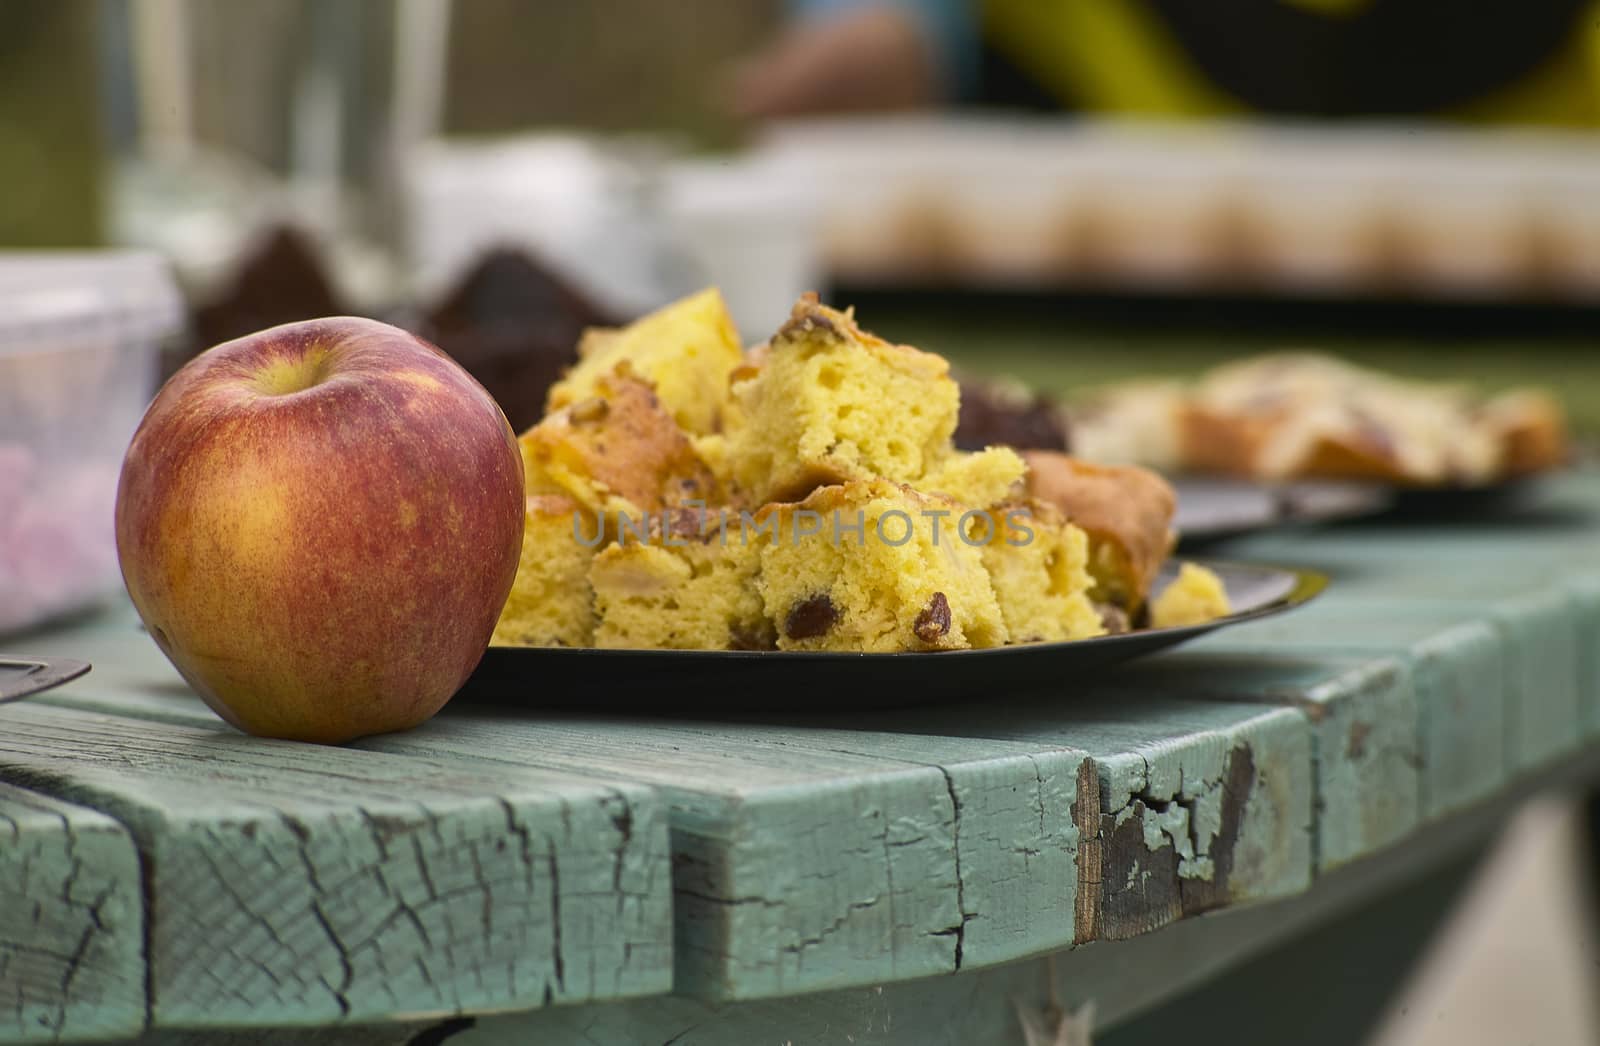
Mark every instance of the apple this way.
pixel 319 524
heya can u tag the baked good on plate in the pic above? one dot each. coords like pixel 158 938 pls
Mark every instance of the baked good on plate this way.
pixel 832 403
pixel 807 495
pixel 689 586
pixel 873 565
pixel 685 352
pixel 1038 566
pixel 1194 597
pixel 616 452
pixel 550 602
pixel 1126 511
pixel 1305 415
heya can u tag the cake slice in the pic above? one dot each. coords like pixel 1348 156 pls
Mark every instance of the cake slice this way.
pixel 550 602
pixel 1126 511
pixel 616 452
pixel 830 403
pixel 874 566
pixel 690 586
pixel 1038 567
pixel 1530 427
pixel 978 478
pixel 684 351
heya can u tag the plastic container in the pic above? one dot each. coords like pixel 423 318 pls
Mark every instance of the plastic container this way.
pixel 80 335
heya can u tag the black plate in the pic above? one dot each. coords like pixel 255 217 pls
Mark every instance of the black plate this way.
pixel 1211 508
pixel 684 681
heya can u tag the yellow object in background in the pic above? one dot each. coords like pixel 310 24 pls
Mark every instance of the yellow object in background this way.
pixel 1128 58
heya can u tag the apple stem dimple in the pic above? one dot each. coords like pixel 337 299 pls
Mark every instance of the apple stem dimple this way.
pixel 286 376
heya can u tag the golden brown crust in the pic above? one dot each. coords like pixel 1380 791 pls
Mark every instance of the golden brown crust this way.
pixel 1304 415
pixel 1532 428
pixel 1214 442
pixel 619 444
pixel 1236 444
pixel 1126 511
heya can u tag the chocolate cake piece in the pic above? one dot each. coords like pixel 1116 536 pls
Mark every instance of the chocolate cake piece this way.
pixel 514 325
pixel 281 279
pixel 1008 413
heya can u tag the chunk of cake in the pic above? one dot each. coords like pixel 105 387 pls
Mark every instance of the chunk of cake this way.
pixel 1530 426
pixel 874 566
pixel 1005 411
pixel 1194 597
pixel 978 478
pixel 550 602
pixel 831 403
pixel 1300 414
pixel 616 452
pixel 1038 566
pixel 1133 423
pixel 684 351
pixel 690 586
pixel 1125 510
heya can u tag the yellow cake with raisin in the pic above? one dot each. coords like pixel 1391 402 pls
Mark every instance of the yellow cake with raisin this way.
pixel 616 452
pixel 550 602
pixel 1038 567
pixel 690 586
pixel 684 351
pixel 831 403
pixel 1194 597
pixel 874 566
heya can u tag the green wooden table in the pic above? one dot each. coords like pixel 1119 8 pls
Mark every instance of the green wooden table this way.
pixel 913 876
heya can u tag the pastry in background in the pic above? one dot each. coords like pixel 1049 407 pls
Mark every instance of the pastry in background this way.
pixel 1531 427
pixel 1002 411
pixel 1137 423
pixel 281 278
pixel 1297 415
pixel 513 324
pixel 1304 415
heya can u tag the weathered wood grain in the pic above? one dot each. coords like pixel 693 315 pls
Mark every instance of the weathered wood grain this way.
pixel 1523 578
pixel 1456 696
pixel 1121 978
pixel 1200 805
pixel 807 858
pixel 802 858
pixel 293 884
pixel 810 855
pixel 71 923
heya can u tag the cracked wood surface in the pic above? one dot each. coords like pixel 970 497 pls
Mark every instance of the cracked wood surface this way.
pixel 806 858
pixel 826 854
pixel 71 922
pixel 1191 805
pixel 293 884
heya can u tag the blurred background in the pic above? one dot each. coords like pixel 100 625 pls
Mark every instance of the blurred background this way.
pixel 1067 192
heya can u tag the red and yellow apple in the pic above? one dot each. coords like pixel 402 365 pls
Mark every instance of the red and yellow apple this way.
pixel 319 524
